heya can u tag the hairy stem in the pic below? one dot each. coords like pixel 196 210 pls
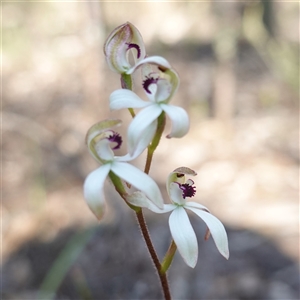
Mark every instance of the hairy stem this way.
pixel 155 259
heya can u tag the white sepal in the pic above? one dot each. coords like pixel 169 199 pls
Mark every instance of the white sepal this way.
pixel 179 118
pixel 184 236
pixel 142 124
pixel 216 229
pixel 153 60
pixel 123 98
pixel 93 190
pixel 175 194
pixel 139 180
pixel 139 199
pixel 196 205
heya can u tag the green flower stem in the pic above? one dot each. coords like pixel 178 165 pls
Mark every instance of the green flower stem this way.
pixel 126 83
pixel 117 182
pixel 161 122
pixel 155 259
pixel 168 258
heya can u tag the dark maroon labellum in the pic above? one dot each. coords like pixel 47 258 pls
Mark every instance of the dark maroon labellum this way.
pixel 147 82
pixel 188 190
pixel 115 138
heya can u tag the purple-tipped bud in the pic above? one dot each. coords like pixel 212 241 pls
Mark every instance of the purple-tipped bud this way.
pixel 136 47
pixel 122 39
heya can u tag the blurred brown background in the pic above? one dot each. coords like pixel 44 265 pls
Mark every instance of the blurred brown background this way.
pixel 239 68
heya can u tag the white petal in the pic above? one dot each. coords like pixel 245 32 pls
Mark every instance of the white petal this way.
pixel 153 60
pixel 139 180
pixel 93 190
pixel 142 143
pixel 145 139
pixel 163 91
pixel 175 193
pixel 179 118
pixel 139 199
pixel 103 150
pixel 152 89
pixel 125 99
pixel 184 236
pixel 216 228
pixel 139 126
pixel 195 205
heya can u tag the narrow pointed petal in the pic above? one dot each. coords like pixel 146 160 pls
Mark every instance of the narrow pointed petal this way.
pixel 125 99
pixel 184 236
pixel 139 199
pixel 195 205
pixel 164 90
pixel 161 62
pixel 216 228
pixel 93 190
pixel 145 139
pixel 179 118
pixel 175 194
pixel 139 180
pixel 140 124
pixel 142 143
pixel 104 151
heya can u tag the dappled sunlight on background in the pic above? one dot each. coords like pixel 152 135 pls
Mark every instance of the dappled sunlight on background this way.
pixel 239 69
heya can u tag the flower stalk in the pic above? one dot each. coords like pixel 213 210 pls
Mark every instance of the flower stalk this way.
pixel 161 122
pixel 166 263
pixel 126 83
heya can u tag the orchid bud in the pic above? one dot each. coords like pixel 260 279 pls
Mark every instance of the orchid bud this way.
pixel 116 48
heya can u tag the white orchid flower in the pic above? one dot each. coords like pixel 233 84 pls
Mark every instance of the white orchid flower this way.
pixel 159 88
pixel 125 39
pixel 99 140
pixel 180 226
